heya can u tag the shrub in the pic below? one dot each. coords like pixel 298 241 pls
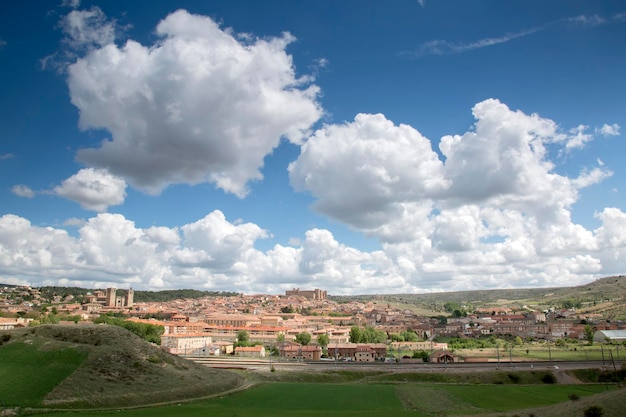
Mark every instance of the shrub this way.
pixel 514 377
pixel 154 359
pixel 574 397
pixel 548 379
pixel 5 337
pixel 594 411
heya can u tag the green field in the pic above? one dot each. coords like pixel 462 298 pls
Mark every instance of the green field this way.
pixel 529 353
pixel 103 371
pixel 337 400
pixel 29 373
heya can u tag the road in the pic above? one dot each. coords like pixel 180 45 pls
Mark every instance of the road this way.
pixel 466 366
pixel 222 362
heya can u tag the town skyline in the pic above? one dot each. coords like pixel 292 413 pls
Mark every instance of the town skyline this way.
pixel 217 325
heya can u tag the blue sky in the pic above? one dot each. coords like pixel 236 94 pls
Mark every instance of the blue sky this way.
pixel 357 147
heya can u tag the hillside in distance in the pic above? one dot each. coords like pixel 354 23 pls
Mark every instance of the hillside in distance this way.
pixel 606 296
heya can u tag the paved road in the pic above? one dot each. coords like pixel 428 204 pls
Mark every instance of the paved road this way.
pixel 467 366
pixel 221 362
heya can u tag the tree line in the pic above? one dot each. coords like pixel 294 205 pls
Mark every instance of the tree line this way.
pixel 149 332
pixel 78 293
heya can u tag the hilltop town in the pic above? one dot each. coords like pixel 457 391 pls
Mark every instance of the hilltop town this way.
pixel 305 324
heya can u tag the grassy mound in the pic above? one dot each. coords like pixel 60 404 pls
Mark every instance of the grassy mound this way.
pixel 98 366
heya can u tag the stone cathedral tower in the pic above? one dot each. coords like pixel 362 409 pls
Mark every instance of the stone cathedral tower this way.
pixel 111 297
pixel 128 298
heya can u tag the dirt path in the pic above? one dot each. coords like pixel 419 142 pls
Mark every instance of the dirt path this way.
pixel 562 377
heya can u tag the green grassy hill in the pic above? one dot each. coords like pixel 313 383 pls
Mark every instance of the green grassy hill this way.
pixel 97 366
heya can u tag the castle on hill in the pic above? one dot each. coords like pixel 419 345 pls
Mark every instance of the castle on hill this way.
pixel 308 294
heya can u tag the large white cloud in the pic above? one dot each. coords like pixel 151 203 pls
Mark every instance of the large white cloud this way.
pixel 490 211
pixel 502 161
pixel 209 253
pixel 366 172
pixel 199 105
pixel 213 253
pixel 492 207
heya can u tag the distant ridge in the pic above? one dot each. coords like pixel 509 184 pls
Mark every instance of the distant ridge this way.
pixel 139 296
pixel 605 296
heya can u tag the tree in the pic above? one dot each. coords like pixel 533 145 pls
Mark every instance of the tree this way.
pixel 397 337
pixel 409 336
pixel 589 334
pixel 356 335
pixel 367 335
pixel 451 306
pixel 49 319
pixel 242 337
pixel 149 332
pixel 287 309
pixel 280 338
pixel 459 313
pixel 323 340
pixel 303 338
pixel 569 304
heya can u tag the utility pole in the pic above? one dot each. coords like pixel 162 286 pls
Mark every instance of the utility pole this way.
pixel 549 355
pixel 498 353
pixel 602 348
pixel 271 368
pixel 615 369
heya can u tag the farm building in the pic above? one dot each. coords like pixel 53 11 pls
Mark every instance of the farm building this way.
pixel 602 336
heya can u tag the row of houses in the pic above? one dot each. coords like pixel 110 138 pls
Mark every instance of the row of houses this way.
pixel 203 344
pixel 533 325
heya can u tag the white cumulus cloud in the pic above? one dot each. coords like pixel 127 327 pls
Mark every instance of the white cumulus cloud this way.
pixel 93 189
pixel 365 172
pixel 610 130
pixel 199 105
pixel 492 206
pixel 490 210
pixel 210 253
